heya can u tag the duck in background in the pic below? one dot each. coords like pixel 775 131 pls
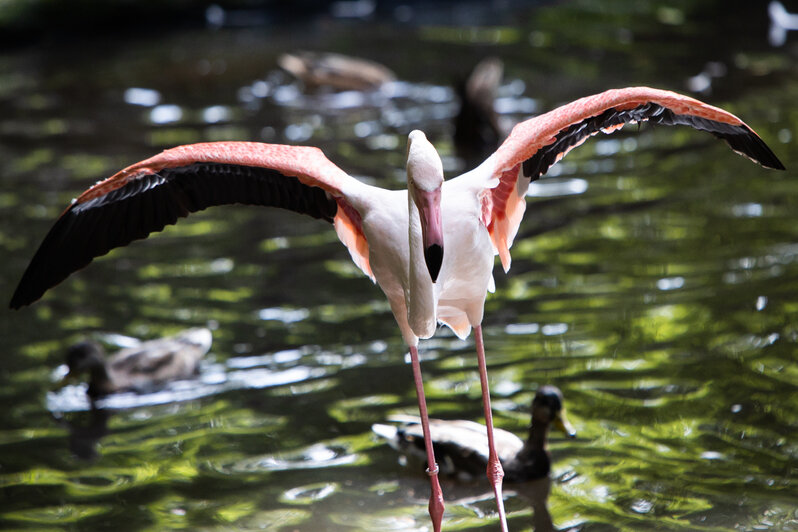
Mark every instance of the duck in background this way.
pixel 141 368
pixel 341 72
pixel 477 128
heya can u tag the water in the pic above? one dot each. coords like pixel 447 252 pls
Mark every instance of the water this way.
pixel 653 281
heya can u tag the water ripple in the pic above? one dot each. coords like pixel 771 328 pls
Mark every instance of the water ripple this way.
pixel 316 456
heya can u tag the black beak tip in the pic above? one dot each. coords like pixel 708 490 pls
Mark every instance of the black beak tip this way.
pixel 433 255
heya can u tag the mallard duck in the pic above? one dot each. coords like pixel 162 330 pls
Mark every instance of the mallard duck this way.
pixel 139 368
pixel 461 447
pixel 341 72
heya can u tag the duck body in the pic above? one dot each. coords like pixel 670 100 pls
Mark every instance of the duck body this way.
pixel 461 446
pixel 141 368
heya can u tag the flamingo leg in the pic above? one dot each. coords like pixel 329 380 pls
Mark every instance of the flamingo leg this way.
pixel 495 471
pixel 436 505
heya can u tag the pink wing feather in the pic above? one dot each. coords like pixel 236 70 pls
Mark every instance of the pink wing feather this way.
pixel 147 196
pixel 536 144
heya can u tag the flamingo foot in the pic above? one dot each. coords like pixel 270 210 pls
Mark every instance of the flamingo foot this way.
pixel 436 505
pixel 495 472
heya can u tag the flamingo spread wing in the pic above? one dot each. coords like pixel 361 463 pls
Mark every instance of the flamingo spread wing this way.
pixel 151 194
pixel 536 144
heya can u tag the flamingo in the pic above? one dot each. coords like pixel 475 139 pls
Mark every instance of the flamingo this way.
pixel 430 248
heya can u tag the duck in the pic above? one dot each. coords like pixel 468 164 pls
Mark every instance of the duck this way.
pixel 338 71
pixel 461 446
pixel 141 368
pixel 478 129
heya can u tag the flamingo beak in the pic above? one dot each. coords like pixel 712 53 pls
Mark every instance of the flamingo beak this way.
pixel 429 208
pixel 561 422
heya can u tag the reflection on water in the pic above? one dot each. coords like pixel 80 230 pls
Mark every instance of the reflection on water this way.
pixel 653 281
pixel 85 433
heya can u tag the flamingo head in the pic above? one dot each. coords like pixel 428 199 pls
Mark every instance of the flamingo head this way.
pixel 424 181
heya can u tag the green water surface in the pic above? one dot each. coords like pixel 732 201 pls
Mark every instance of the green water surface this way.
pixel 654 280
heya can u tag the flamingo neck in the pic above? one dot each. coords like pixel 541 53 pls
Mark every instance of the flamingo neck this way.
pixel 419 292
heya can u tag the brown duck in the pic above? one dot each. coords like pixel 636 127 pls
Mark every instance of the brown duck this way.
pixel 141 368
